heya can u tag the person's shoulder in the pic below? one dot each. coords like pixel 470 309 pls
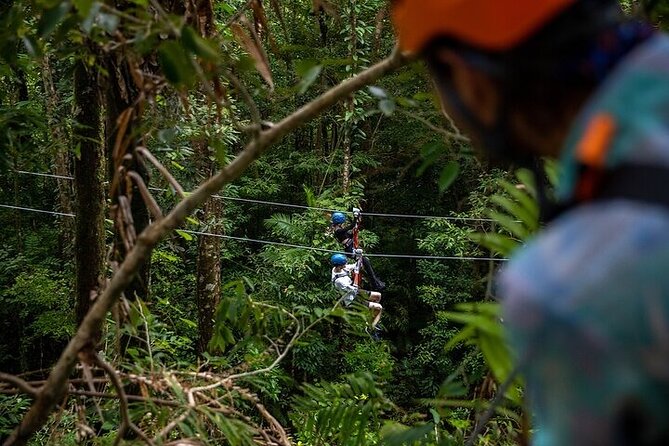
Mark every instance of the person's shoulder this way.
pixel 585 248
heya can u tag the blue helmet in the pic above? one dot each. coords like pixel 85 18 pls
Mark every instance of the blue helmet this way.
pixel 338 218
pixel 338 259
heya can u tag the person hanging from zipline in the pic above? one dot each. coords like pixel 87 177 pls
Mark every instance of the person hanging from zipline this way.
pixel 346 279
pixel 348 236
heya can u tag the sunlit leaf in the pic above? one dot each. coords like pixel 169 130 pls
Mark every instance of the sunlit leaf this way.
pixel 387 106
pixel 309 78
pixel 108 22
pixel 377 92
pixel 186 236
pixel 90 17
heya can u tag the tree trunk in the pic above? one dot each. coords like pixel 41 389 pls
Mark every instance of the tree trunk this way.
pixel 346 169
pixel 62 162
pixel 208 271
pixel 350 106
pixel 209 248
pixel 89 191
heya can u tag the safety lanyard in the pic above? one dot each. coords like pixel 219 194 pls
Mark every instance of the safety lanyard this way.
pixel 356 271
pixel 356 229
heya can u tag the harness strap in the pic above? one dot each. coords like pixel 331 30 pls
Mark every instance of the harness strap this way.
pixel 338 275
pixel 643 183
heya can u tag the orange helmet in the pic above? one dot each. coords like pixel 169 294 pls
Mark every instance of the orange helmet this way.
pixel 495 25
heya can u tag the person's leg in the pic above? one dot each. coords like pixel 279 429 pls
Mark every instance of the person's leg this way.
pixel 377 283
pixel 375 307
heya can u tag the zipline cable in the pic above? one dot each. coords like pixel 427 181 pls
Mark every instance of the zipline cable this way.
pixel 48 175
pixel 286 245
pixel 294 206
pixel 62 214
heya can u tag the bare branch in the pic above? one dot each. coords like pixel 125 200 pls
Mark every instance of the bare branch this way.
pixel 163 171
pixel 237 15
pixel 246 97
pixel 171 426
pixel 56 383
pixel 146 196
pixel 126 216
pixel 88 376
pixel 19 384
pixel 449 135
pixel 126 422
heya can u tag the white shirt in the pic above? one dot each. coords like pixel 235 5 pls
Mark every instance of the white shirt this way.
pixel 343 282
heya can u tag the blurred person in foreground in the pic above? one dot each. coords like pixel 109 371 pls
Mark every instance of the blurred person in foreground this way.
pixel 586 302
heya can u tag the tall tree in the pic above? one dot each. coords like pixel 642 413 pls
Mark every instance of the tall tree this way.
pixel 208 257
pixel 62 159
pixel 209 247
pixel 349 123
pixel 89 191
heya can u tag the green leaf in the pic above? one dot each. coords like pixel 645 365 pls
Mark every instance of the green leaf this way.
pixel 395 434
pixel 430 152
pixel 51 18
pixel 522 197
pixel 387 106
pixel 186 236
pixel 464 335
pixel 435 416
pixel 526 177
pixel 309 78
pixel 303 66
pixel 166 135
pixel 188 322
pixel 405 102
pixel 511 225
pixel 448 174
pixel 220 151
pixel 194 43
pixel 83 7
pixel 32 47
pixel 176 64
pixel 499 243
pixel 516 211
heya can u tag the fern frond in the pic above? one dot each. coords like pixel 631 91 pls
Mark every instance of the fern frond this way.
pixel 341 412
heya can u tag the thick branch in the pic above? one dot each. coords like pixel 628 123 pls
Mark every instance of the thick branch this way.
pixel 55 386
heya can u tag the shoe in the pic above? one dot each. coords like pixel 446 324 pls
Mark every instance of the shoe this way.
pixel 376 333
pixel 379 285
